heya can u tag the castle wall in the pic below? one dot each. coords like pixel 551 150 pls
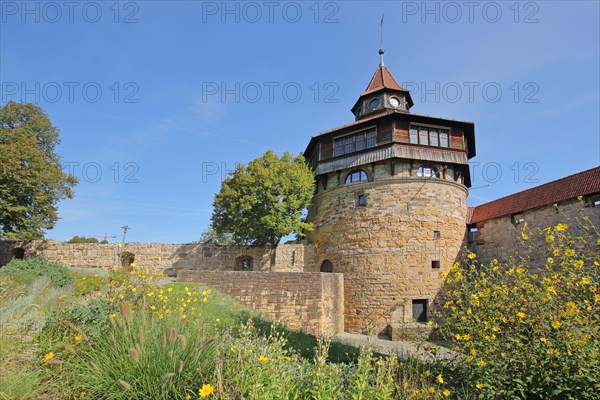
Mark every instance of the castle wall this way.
pixel 385 249
pixel 500 238
pixel 312 302
pixel 289 257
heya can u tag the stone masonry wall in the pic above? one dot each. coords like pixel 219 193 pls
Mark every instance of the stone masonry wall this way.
pixel 500 238
pixel 289 257
pixel 386 248
pixel 312 302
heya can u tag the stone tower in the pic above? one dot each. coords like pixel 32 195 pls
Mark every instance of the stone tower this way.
pixel 390 205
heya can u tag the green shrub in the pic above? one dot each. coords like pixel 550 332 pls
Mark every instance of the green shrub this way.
pixel 59 275
pixel 528 331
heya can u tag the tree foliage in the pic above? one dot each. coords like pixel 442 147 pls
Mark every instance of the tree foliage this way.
pixel 263 201
pixel 31 176
pixel 83 239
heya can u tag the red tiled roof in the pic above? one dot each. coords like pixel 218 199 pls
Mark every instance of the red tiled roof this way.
pixel 570 187
pixel 382 80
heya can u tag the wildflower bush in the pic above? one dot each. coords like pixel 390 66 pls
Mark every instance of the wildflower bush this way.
pixel 59 275
pixel 528 331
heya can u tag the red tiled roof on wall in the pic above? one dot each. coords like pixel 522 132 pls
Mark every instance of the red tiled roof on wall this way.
pixel 570 187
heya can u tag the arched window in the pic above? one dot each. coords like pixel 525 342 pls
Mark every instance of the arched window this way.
pixel 356 176
pixel 326 266
pixel 19 253
pixel 127 259
pixel 426 171
pixel 244 263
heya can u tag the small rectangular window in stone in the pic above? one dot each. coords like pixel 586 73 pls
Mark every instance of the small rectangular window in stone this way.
pixel 414 135
pixel 419 310
pixel 518 219
pixel 371 138
pixel 435 264
pixel 436 234
pixel 361 200
pixel 472 235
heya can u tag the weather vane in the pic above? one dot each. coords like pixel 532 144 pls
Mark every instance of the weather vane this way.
pixel 381 51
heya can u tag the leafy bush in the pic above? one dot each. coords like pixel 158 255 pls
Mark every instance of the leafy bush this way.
pixel 528 331
pixel 59 275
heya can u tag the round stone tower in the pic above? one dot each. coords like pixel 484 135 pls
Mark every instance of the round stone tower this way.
pixel 390 206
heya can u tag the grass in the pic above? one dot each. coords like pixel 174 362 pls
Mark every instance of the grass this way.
pixel 125 337
pixel 229 312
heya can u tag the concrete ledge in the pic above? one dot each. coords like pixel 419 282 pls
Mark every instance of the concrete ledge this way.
pixel 408 331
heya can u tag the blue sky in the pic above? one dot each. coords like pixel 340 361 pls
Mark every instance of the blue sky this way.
pixel 156 100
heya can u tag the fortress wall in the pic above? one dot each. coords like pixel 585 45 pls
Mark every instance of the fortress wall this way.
pixel 500 238
pixel 385 249
pixel 289 257
pixel 312 302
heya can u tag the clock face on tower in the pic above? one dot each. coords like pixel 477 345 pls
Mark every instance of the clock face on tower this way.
pixel 394 102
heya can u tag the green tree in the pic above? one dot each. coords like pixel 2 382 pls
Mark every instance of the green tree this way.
pixel 31 176
pixel 210 236
pixel 263 201
pixel 82 239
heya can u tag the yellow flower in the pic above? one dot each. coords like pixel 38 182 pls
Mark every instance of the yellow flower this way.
pixel 521 314
pixel 446 392
pixel 48 357
pixel 561 227
pixel 431 390
pixel 82 394
pixel 263 359
pixel 578 264
pixel 439 378
pixel 550 260
pixel 555 324
pixel 159 258
pixel 550 239
pixel 132 265
pixel 206 390
pixel 481 363
pixel 543 340
pixel 78 338
pixel 379 362
pixel 569 252
pixel 120 244
pixel 471 255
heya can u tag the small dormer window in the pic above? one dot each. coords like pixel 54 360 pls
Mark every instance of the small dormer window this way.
pixel 356 176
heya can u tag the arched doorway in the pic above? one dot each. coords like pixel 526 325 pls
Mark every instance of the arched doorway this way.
pixel 18 253
pixel 326 266
pixel 127 258
pixel 244 263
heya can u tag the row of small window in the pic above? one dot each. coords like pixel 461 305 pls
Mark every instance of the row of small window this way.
pixel 352 143
pixel 361 176
pixel 429 136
